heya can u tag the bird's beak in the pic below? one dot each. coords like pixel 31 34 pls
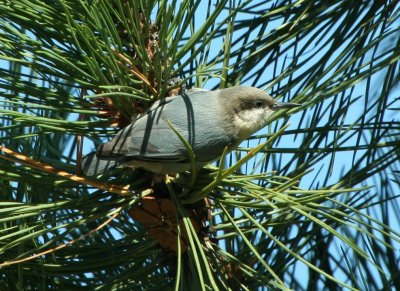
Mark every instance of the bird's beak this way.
pixel 282 105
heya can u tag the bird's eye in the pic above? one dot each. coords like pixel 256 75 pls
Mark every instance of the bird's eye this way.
pixel 259 104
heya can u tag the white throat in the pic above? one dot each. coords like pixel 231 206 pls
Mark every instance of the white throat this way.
pixel 250 121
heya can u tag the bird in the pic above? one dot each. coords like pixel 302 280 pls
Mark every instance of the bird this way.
pixel 209 121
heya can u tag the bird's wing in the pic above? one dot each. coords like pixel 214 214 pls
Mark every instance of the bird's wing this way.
pixel 92 166
pixel 147 139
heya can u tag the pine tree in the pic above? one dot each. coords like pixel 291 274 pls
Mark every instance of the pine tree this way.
pixel 307 203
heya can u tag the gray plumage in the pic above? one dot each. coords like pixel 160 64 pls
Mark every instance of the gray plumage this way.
pixel 208 120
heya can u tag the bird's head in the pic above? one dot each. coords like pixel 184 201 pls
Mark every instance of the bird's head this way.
pixel 249 108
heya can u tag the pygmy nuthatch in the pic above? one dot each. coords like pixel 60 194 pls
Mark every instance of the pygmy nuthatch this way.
pixel 208 120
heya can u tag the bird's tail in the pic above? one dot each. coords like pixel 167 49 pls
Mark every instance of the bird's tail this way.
pixel 93 166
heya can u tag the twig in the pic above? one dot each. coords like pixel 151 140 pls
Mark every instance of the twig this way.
pixel 135 71
pixel 22 159
pixel 6 264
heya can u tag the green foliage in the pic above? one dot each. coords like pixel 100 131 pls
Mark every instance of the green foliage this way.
pixel 299 206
